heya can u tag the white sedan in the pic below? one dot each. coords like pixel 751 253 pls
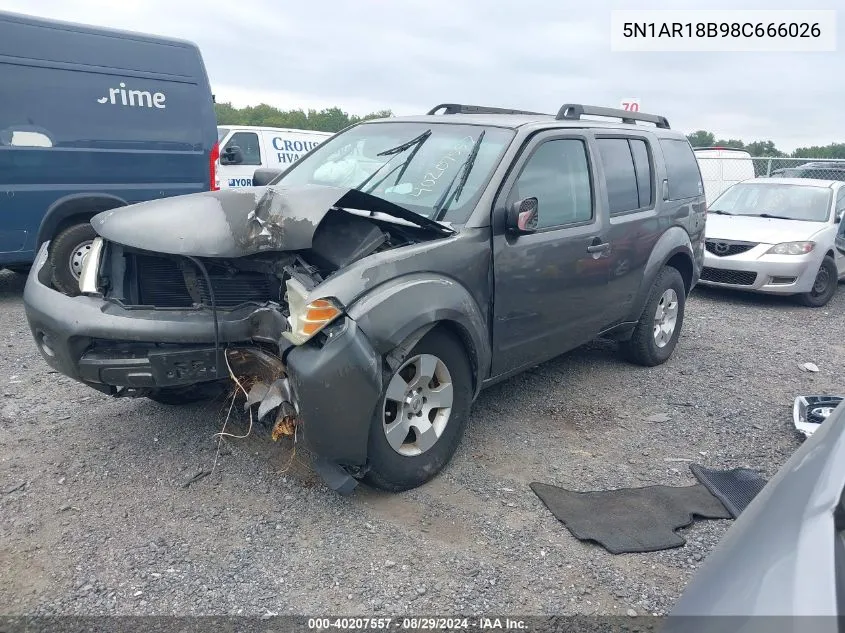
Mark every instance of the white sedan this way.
pixel 776 235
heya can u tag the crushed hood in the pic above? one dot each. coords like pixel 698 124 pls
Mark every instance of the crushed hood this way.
pixel 761 230
pixel 239 222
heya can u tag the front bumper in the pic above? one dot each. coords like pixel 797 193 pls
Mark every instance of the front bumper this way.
pixel 65 329
pixel 758 272
pixel 336 383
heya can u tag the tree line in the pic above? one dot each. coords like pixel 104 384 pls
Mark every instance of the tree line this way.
pixel 335 119
pixel 327 120
pixel 702 138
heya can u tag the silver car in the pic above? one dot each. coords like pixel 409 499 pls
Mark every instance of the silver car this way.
pixel 776 235
pixel 784 556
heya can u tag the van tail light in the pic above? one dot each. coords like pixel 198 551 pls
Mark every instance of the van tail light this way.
pixel 213 158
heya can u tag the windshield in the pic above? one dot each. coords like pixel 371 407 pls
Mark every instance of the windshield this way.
pixel 221 133
pixel 433 169
pixel 793 202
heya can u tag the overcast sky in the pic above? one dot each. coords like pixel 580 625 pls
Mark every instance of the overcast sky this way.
pixel 408 55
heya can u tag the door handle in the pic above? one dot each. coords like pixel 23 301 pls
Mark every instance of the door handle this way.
pixel 598 248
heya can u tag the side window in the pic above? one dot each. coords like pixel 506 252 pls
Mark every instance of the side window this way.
pixel 620 177
pixel 558 175
pixel 248 142
pixel 681 169
pixel 645 178
pixel 840 209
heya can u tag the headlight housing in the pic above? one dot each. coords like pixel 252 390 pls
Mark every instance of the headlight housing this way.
pixel 791 248
pixel 306 319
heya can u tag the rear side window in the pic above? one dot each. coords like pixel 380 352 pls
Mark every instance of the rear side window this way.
pixel 248 143
pixel 628 174
pixel 642 164
pixel 619 174
pixel 681 169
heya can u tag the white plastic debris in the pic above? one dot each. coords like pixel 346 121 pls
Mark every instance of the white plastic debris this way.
pixel 809 367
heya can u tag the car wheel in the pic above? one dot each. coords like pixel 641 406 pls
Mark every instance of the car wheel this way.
pixel 176 396
pixel 659 327
pixel 421 415
pixel 824 286
pixel 68 251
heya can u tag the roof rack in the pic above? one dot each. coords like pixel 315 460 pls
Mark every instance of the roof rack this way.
pixel 722 147
pixel 574 112
pixel 459 108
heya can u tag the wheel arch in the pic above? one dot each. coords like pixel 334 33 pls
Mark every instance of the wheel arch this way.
pixel 396 315
pixel 674 249
pixel 72 208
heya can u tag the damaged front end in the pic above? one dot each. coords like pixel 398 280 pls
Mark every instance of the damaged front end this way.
pixel 225 286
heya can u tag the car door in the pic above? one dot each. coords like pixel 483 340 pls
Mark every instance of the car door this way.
pixel 238 166
pixel 628 174
pixel 549 286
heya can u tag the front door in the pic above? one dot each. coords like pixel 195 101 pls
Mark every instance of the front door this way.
pixel 550 285
pixel 237 170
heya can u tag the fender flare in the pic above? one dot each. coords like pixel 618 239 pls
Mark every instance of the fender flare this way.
pixel 405 308
pixel 674 247
pixel 81 204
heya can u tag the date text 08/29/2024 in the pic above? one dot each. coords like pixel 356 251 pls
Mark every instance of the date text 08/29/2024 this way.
pixel 417 623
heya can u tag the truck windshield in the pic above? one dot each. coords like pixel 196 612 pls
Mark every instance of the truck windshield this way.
pixel 791 202
pixel 415 165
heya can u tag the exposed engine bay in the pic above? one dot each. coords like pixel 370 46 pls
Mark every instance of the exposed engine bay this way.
pixel 135 278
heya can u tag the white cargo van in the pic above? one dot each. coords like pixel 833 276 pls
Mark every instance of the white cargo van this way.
pixel 243 149
pixel 721 168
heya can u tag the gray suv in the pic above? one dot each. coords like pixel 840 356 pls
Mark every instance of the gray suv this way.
pixel 367 294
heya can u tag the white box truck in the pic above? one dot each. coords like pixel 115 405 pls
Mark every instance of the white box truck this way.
pixel 721 168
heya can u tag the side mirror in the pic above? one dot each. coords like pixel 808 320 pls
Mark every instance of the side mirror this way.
pixel 523 216
pixel 839 214
pixel 232 155
pixel 263 177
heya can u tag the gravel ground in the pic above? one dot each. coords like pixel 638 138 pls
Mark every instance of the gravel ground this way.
pixel 97 516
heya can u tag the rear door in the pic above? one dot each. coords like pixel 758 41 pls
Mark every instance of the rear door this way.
pixel 550 289
pixel 628 168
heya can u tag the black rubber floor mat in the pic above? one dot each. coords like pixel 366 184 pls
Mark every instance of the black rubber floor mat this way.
pixel 734 488
pixel 631 519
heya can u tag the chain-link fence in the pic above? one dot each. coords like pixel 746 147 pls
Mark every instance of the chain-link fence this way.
pixel 720 169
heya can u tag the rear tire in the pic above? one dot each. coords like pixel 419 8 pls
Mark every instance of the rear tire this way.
pixel 404 460
pixel 67 253
pixel 659 327
pixel 824 287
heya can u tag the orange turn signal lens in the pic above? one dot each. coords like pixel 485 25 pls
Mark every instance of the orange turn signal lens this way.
pixel 317 315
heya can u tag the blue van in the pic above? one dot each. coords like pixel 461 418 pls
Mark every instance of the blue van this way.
pixel 93 119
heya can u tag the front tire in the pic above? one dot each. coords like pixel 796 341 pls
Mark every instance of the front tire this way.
pixel 824 287
pixel 68 250
pixel 421 415
pixel 659 327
